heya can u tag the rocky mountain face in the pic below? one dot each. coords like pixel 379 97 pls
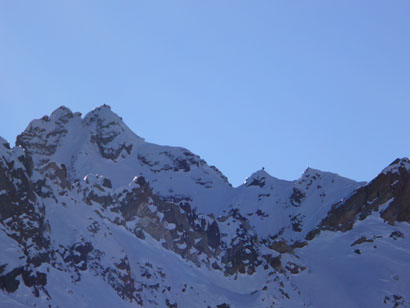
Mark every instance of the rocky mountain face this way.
pixel 92 215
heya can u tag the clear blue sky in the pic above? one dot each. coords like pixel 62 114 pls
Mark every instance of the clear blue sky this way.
pixel 276 83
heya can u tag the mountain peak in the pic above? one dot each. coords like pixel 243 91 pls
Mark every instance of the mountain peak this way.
pixel 311 171
pixel 110 133
pixel 260 173
pixel 396 165
pixel 61 113
pixel 316 173
pixel 103 112
pixel 258 178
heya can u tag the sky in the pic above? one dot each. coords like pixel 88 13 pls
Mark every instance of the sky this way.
pixel 278 84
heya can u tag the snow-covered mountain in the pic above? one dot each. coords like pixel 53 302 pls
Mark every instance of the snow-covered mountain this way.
pixel 92 215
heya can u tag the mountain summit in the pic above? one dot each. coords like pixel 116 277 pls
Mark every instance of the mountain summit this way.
pixel 92 215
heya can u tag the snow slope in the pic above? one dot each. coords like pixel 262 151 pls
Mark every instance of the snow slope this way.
pixel 92 215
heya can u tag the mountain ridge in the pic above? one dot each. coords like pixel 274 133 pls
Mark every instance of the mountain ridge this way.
pixel 63 112
pixel 93 215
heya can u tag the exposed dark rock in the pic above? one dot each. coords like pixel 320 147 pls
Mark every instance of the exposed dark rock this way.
pixel 297 223
pixel 281 246
pixel 167 221
pixel 9 282
pixel 241 255
pixel 395 301
pixel 170 305
pixel 122 281
pixel 294 268
pixel 182 164
pixel 20 201
pixel 260 213
pixel 213 235
pixel 391 188
pixel 34 279
pixel 274 262
pixel 296 197
pixel 257 182
pixel 396 235
pixel 38 259
pixel 361 240
pixel 78 255
pixel 107 183
pixel 36 140
pixel 298 244
pixel 57 174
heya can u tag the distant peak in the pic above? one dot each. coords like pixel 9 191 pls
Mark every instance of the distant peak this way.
pixel 400 161
pixel 111 123
pixel 103 112
pixel 102 108
pixel 260 173
pixel 315 178
pixel 312 172
pixel 309 176
pixel 396 165
pixel 61 112
pixel 316 173
pixel 258 178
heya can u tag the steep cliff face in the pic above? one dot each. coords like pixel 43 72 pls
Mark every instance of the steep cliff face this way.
pixel 93 215
pixel 25 232
pixel 388 194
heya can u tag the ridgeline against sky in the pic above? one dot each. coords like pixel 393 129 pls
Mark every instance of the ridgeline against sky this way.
pixel 279 84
